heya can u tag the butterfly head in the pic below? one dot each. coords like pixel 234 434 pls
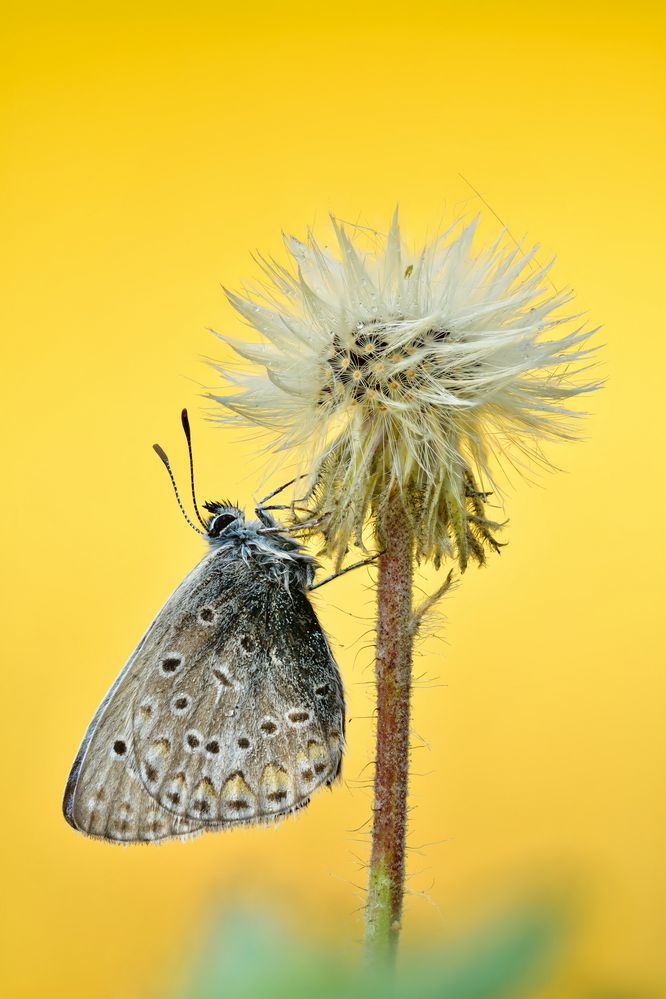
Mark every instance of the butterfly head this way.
pixel 261 540
pixel 222 517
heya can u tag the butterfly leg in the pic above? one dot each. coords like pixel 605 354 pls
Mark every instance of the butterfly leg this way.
pixel 279 490
pixel 273 528
pixel 341 572
pixel 287 506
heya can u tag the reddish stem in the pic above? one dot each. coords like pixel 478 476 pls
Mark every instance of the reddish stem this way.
pixel 393 675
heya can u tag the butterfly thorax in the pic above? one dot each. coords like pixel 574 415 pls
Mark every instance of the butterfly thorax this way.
pixel 261 542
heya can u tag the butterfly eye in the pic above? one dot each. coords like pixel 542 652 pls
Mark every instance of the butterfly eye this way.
pixel 220 524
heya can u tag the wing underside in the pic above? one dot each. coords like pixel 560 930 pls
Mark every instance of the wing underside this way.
pixel 230 711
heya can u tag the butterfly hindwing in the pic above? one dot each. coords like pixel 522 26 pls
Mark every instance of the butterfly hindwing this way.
pixel 243 726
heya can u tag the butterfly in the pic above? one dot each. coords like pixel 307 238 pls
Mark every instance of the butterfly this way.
pixel 231 709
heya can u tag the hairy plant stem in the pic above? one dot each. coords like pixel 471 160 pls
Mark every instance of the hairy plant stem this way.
pixel 393 670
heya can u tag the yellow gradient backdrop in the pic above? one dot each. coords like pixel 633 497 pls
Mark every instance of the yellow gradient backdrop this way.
pixel 146 155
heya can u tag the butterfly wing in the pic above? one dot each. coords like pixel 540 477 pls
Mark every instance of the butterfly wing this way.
pixel 244 726
pixel 104 796
pixel 229 711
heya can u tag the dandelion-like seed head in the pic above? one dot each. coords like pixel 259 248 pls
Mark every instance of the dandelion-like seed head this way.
pixel 410 371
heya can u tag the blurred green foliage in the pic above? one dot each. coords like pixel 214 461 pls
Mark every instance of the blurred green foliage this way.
pixel 247 958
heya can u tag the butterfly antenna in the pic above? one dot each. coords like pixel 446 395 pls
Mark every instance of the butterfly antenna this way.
pixel 188 436
pixel 162 455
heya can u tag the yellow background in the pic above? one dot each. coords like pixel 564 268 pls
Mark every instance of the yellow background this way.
pixel 148 154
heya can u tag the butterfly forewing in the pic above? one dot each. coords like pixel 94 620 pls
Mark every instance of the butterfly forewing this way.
pixel 105 796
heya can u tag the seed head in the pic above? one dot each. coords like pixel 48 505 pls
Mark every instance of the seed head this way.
pixel 411 370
